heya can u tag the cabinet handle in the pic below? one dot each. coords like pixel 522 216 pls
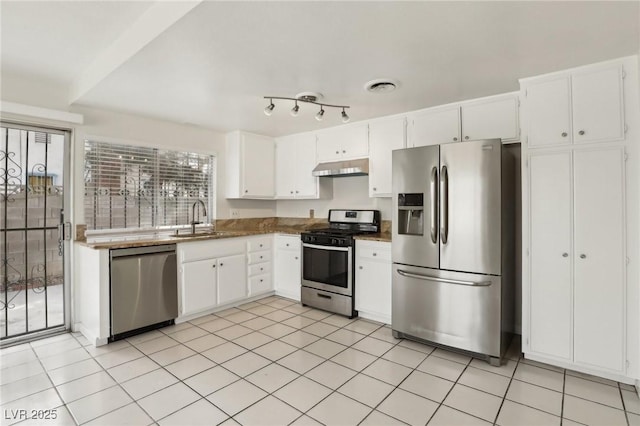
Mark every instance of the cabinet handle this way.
pixel 583 256
pixel 344 152
pixel 260 257
pixel 455 139
pixel 262 269
pixel 581 132
pixel 246 191
pixel 287 244
pixel 213 266
pixel 296 257
pixel 297 192
pixel 292 192
pixel 565 254
pixel 337 152
pixel 261 280
pixel 222 264
pixel 359 267
pixel 466 138
pixel 375 189
pixel 375 254
pixel 260 245
pixel 563 134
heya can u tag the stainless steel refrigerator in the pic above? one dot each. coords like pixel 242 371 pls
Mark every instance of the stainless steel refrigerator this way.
pixel 453 246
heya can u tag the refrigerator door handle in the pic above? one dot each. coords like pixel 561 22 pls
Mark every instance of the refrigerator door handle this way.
pixel 444 205
pixel 434 205
pixel 443 280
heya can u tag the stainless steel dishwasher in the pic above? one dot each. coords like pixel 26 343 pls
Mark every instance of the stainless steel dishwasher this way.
pixel 144 289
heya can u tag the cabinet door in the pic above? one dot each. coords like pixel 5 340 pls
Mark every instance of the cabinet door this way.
pixel 384 137
pixel 548 112
pixel 373 288
pixel 343 142
pixel 285 172
pixel 232 278
pixel 493 118
pixel 433 127
pixel 198 286
pixel 258 159
pixel 306 183
pixel 328 146
pixel 599 289
pixel 597 105
pixel 550 259
pixel 287 273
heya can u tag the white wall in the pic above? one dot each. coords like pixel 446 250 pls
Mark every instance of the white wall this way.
pixel 348 193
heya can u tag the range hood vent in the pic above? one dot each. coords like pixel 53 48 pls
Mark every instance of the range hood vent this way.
pixel 358 167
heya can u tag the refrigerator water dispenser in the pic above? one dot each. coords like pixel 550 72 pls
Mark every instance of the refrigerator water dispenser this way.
pixel 411 214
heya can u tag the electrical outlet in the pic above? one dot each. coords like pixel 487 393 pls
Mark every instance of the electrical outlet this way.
pixel 235 213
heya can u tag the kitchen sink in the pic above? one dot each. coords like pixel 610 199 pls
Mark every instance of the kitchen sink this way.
pixel 200 234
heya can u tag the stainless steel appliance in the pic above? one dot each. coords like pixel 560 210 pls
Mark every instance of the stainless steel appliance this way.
pixel 453 246
pixel 144 289
pixel 328 256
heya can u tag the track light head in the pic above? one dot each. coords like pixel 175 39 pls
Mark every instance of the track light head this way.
pixel 345 117
pixel 320 114
pixel 268 110
pixel 295 109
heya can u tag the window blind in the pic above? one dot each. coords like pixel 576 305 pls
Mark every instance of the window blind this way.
pixel 138 187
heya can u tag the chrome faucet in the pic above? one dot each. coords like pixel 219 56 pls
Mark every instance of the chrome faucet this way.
pixel 195 222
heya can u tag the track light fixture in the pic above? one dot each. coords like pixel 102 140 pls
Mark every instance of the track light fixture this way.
pixel 295 109
pixel 268 110
pixel 310 99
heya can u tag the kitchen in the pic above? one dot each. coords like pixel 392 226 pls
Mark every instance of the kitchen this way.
pixel 103 90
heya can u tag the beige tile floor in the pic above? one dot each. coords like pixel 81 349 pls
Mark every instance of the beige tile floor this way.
pixel 274 362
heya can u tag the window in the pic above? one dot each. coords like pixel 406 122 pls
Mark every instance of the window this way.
pixel 140 187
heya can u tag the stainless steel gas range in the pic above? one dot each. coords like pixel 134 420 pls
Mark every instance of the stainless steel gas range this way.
pixel 328 257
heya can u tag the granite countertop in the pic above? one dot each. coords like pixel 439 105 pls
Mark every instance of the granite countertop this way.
pixel 382 236
pixel 233 228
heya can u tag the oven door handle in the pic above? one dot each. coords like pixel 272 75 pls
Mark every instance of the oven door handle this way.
pixel 332 248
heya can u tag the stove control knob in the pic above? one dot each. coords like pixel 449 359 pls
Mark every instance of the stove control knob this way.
pixel 335 242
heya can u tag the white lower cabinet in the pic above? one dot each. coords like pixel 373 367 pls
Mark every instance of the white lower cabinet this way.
pixel 373 280
pixel 211 273
pixel 201 292
pixel 232 279
pixel 288 266
pixel 259 265
pixel 576 295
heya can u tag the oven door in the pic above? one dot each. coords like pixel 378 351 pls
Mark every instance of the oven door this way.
pixel 328 268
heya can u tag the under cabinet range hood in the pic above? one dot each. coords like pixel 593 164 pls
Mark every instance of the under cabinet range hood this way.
pixel 359 167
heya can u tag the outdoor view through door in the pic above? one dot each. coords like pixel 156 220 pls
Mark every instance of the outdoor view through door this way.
pixel 32 163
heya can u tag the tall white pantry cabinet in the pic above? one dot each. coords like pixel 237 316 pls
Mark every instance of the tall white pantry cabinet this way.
pixel 581 203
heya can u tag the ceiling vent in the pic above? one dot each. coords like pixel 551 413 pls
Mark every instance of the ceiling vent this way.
pixel 381 85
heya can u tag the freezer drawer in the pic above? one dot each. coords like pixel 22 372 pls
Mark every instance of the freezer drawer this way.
pixel 460 310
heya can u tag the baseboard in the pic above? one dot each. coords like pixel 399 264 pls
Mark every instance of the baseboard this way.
pixel 288 295
pixel 375 317
pixel 92 338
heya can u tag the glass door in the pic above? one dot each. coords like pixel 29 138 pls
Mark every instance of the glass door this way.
pixel 33 185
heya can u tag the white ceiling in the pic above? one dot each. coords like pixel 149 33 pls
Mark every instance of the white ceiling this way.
pixel 213 66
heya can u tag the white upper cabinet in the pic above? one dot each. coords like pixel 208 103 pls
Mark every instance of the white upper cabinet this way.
pixel 435 126
pixel 295 161
pixel 576 107
pixel 250 170
pixel 484 118
pixel 384 136
pixel 343 142
pixel 489 118
pixel 598 105
pixel 548 112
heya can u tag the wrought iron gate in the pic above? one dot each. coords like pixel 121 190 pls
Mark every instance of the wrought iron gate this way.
pixel 32 190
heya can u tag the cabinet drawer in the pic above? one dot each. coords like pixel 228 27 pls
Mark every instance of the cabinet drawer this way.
pixel 288 243
pixel 374 252
pixel 259 244
pixel 259 268
pixel 259 284
pixel 259 257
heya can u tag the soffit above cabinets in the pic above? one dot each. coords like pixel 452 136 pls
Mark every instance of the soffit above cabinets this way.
pixel 210 63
